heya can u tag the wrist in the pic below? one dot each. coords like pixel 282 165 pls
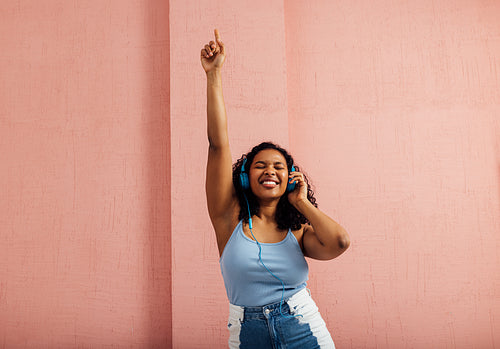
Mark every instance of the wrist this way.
pixel 302 205
pixel 214 73
pixel 214 79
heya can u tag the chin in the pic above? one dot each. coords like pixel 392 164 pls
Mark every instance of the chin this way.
pixel 268 195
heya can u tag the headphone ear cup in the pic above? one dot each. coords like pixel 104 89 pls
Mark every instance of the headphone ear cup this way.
pixel 244 181
pixel 291 186
pixel 245 184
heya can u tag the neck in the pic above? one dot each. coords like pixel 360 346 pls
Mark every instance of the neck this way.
pixel 267 211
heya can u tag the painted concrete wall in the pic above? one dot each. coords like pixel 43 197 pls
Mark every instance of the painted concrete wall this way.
pixel 393 110
pixel 84 180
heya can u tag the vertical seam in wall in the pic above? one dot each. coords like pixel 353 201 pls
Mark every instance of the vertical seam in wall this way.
pixel 289 145
pixel 170 339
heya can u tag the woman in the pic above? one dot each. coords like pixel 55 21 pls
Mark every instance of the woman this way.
pixel 266 220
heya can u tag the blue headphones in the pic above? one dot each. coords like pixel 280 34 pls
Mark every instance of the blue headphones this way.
pixel 245 183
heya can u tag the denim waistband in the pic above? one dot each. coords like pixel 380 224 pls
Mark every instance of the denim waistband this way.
pixel 270 309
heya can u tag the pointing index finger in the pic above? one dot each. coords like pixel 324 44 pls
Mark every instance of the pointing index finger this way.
pixel 217 35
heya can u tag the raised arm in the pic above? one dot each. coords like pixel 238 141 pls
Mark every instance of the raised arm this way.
pixel 221 197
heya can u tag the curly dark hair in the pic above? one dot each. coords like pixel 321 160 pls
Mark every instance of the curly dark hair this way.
pixel 287 215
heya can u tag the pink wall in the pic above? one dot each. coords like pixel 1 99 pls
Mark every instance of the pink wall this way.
pixel 392 109
pixel 84 180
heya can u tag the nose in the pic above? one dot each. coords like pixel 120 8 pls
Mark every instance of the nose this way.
pixel 270 170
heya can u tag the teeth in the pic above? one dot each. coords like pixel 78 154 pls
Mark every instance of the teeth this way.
pixel 269 182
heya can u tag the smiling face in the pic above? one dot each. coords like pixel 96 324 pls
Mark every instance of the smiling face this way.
pixel 268 174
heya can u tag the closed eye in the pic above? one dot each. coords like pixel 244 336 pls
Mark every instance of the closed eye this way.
pixel 262 165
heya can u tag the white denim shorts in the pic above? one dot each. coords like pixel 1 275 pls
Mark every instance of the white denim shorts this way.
pixel 298 325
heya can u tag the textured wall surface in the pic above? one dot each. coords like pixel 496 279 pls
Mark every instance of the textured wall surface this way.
pixel 394 110
pixel 84 205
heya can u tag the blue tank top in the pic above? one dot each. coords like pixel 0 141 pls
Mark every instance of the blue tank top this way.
pixel 248 283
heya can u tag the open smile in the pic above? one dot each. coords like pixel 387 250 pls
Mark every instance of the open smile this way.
pixel 269 183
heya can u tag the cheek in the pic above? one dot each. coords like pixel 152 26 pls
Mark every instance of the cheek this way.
pixel 253 178
pixel 284 177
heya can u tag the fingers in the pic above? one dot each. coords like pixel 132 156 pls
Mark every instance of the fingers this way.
pixel 213 48
pixel 210 50
pixel 207 51
pixel 296 177
pixel 219 42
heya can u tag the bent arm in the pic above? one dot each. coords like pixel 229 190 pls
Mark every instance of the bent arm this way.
pixel 324 239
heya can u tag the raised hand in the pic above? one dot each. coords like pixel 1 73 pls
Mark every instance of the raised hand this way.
pixel 213 54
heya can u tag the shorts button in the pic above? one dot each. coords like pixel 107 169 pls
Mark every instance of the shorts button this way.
pixel 267 311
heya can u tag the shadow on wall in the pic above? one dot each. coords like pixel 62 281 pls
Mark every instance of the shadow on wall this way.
pixel 156 107
pixel 496 132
